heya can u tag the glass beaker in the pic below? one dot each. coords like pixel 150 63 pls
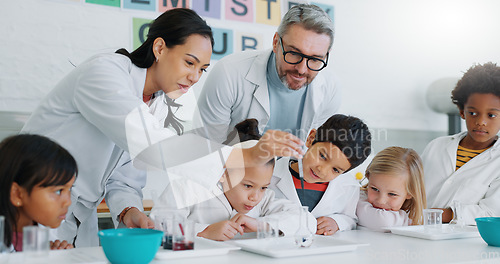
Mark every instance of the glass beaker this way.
pixel 184 234
pixel 457 222
pixel 3 249
pixel 304 237
pixel 267 228
pixel 36 241
pixel 433 220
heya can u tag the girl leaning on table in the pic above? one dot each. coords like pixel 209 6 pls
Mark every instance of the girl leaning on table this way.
pixel 395 193
pixel 232 205
pixel 36 176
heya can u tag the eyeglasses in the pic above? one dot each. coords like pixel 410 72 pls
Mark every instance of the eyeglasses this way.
pixel 313 63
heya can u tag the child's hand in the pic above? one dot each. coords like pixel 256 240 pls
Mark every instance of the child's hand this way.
pixel 221 231
pixel 326 226
pixel 134 218
pixel 248 223
pixel 60 245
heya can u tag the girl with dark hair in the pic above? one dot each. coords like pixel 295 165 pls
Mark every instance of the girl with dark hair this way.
pixel 112 107
pixel 36 176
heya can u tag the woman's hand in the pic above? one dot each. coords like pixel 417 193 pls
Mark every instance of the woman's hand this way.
pixel 248 223
pixel 221 231
pixel 60 245
pixel 134 218
pixel 326 226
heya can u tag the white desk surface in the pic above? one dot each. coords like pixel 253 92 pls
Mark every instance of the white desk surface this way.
pixel 382 248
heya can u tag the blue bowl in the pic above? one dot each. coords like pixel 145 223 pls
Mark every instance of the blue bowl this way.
pixel 489 229
pixel 131 245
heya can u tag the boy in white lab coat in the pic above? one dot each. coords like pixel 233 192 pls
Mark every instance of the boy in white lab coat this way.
pixel 466 167
pixel 233 206
pixel 337 146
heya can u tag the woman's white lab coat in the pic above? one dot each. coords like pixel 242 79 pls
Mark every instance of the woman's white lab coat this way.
pixel 338 202
pixel 206 206
pixel 96 112
pixel 476 184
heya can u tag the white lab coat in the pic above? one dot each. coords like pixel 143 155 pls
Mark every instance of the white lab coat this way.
pixel 476 184
pixel 338 202
pixel 206 206
pixel 376 219
pixel 96 112
pixel 236 89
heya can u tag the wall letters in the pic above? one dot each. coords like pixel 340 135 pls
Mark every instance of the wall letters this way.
pixel 223 43
pixel 268 12
pixel 226 41
pixel 115 3
pixel 148 5
pixel 207 8
pixel 240 10
pixel 165 5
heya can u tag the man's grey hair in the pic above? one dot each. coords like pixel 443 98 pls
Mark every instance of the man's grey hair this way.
pixel 311 17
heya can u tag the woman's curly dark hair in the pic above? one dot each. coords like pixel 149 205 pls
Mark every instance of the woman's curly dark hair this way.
pixel 479 78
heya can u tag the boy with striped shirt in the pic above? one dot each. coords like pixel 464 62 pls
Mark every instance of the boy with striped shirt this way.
pixel 466 167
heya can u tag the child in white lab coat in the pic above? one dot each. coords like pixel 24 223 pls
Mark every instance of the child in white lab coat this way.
pixel 36 176
pixel 233 206
pixel 466 167
pixel 337 146
pixel 395 194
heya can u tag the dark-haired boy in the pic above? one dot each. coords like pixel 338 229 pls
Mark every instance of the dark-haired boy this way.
pixel 339 145
pixel 466 167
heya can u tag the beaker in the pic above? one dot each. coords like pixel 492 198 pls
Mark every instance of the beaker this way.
pixel 304 237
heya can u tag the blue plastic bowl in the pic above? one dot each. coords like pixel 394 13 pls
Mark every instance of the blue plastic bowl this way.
pixel 134 245
pixel 489 229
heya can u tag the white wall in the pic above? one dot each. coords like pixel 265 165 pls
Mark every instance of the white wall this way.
pixel 385 55
pixel 386 52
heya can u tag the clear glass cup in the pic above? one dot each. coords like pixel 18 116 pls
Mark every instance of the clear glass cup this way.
pixel 164 219
pixel 304 237
pixel 183 234
pixel 267 228
pixel 457 222
pixel 433 220
pixel 4 250
pixel 36 241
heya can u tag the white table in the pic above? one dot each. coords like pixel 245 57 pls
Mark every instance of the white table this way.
pixel 382 248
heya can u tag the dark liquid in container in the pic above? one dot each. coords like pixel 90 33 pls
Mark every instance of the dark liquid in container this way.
pixel 183 246
pixel 167 242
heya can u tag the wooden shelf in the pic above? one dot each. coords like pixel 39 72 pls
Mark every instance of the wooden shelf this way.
pixel 103 208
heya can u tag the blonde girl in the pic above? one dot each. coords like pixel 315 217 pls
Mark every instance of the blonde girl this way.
pixel 395 193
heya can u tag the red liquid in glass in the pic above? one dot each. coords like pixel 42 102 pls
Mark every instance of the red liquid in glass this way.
pixel 183 246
